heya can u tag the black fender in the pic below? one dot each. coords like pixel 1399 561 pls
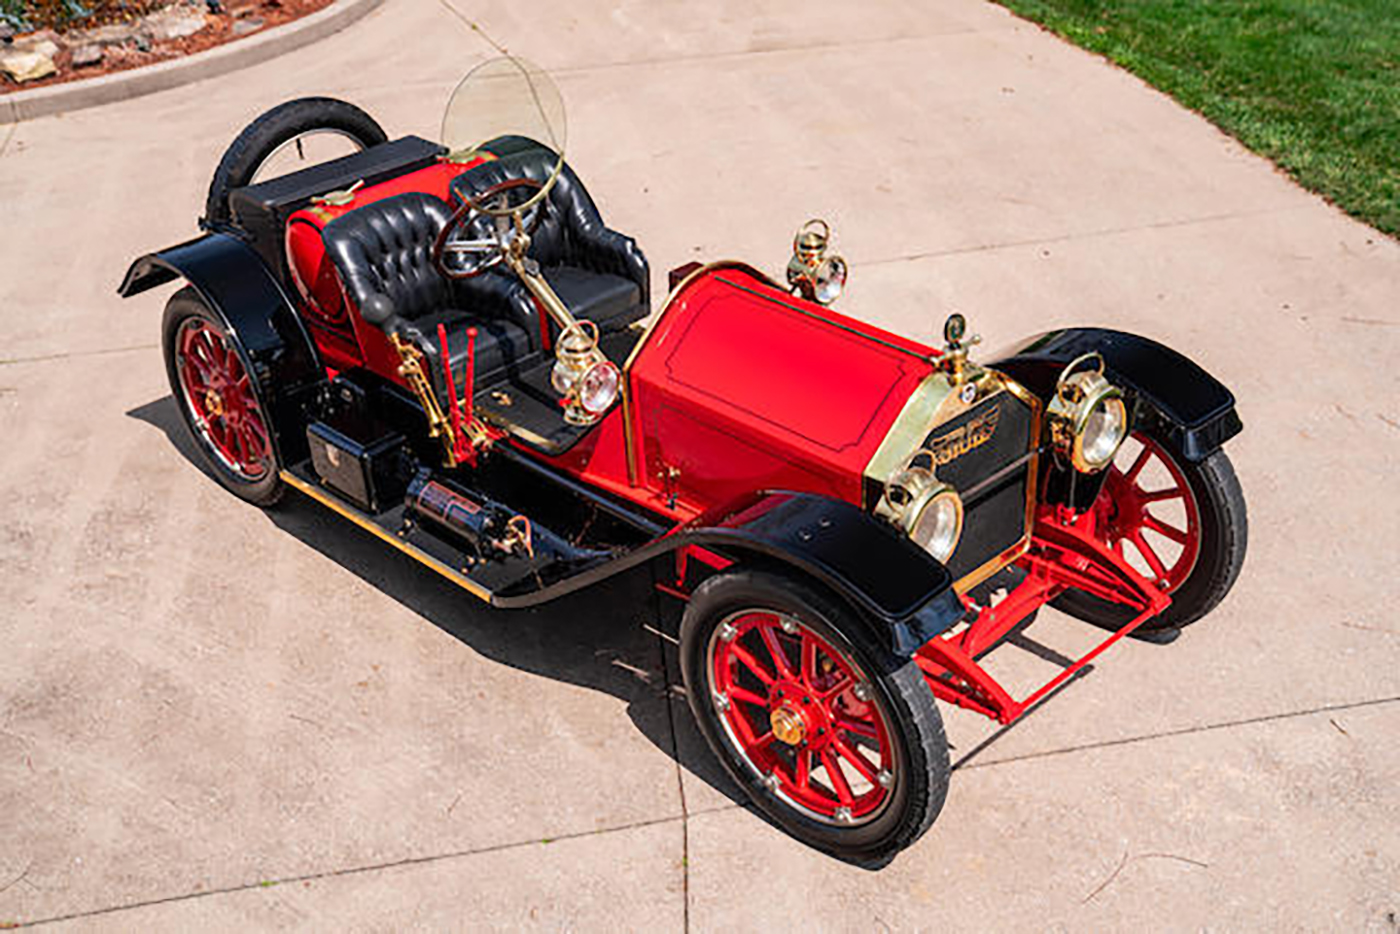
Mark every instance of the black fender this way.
pixel 1194 410
pixel 237 286
pixel 901 590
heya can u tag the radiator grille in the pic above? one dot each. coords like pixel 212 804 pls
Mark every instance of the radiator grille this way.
pixel 986 439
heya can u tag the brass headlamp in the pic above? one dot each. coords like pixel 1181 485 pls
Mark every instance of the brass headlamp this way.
pixel 811 272
pixel 927 509
pixel 1087 417
pixel 587 380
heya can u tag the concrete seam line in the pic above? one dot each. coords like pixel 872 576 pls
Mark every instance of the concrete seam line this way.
pixel 1186 731
pixel 212 63
pixel 357 870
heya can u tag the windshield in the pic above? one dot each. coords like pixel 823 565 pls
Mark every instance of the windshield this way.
pixel 501 97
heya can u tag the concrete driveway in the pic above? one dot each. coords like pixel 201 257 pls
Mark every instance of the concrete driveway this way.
pixel 216 718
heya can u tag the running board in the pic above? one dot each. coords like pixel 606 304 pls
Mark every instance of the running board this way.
pixel 336 504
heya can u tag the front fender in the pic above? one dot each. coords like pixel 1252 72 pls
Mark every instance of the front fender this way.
pixel 237 286
pixel 1195 410
pixel 894 583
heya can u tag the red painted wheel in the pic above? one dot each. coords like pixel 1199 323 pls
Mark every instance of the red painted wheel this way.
pixel 1149 514
pixel 800 714
pixel 1181 525
pixel 836 739
pixel 219 399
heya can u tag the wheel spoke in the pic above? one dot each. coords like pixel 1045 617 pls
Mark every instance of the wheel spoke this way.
pixel 1161 528
pixel 1157 496
pixel 752 664
pixel 195 380
pixel 802 777
pixel 744 695
pixel 255 422
pixel 858 727
pixel 775 649
pixel 837 778
pixel 1131 475
pixel 250 442
pixel 842 684
pixel 809 660
pixel 854 757
pixel 1150 556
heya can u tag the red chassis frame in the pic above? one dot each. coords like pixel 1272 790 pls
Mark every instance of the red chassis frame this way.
pixel 1063 554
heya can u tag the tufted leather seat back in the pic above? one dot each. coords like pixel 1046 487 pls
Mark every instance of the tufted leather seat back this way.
pixel 570 232
pixel 383 250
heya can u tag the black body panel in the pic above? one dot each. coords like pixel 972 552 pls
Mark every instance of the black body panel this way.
pixel 236 284
pixel 1196 411
pixel 261 210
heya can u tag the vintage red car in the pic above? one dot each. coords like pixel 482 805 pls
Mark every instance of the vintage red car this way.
pixel 445 344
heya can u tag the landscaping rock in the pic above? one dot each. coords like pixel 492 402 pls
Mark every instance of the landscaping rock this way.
pixel 244 26
pixel 37 46
pixel 174 23
pixel 85 56
pixel 21 66
pixel 114 34
pixel 7 32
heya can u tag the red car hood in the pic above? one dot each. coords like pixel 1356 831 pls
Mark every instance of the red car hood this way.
pixel 740 386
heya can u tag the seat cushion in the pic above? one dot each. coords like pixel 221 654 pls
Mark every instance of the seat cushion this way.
pixel 501 346
pixel 611 302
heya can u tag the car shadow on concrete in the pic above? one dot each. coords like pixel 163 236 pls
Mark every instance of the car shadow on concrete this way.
pixel 604 638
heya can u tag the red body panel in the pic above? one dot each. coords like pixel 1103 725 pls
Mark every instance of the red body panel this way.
pixel 742 387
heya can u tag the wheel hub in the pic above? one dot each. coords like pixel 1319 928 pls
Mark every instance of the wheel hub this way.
pixel 788 725
pixel 214 403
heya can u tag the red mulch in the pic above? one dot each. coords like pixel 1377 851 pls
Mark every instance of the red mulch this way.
pixel 220 30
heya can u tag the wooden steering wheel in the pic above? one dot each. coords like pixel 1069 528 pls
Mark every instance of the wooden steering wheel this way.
pixel 513 204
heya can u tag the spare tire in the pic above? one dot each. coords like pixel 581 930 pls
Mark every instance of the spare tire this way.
pixel 274 129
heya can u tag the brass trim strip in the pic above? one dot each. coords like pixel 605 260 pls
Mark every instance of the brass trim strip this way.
pixel 335 504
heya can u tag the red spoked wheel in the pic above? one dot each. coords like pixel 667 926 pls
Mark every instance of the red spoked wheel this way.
pixel 219 394
pixel 1181 525
pixel 801 716
pixel 836 739
pixel 219 399
pixel 1148 513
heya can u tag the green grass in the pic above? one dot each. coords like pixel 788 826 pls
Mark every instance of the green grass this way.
pixel 1313 85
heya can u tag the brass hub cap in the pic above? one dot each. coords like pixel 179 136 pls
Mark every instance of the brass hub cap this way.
pixel 213 403
pixel 788 725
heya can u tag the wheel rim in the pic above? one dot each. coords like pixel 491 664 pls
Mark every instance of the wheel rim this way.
pixel 218 394
pixel 802 717
pixel 1147 509
pixel 297 144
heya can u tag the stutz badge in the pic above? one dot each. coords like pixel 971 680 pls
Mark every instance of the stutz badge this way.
pixel 949 447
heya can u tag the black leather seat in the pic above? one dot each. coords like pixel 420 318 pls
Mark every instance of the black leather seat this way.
pixel 599 273
pixel 383 252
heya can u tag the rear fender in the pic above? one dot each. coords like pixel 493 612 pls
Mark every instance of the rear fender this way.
pixel 236 285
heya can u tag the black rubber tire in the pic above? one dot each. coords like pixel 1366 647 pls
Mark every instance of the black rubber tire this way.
pixel 183 305
pixel 1224 541
pixel 921 748
pixel 261 137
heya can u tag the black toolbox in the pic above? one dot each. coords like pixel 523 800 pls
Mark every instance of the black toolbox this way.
pixel 361 459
